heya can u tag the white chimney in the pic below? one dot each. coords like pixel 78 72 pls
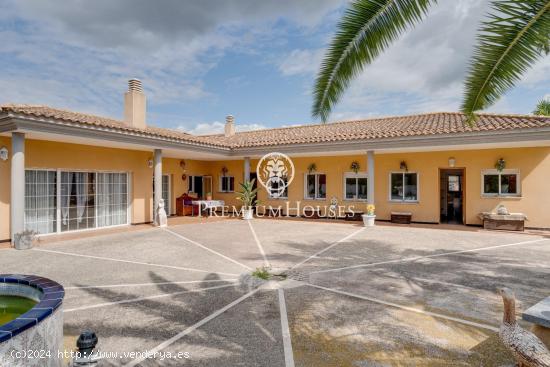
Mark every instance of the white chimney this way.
pixel 135 105
pixel 229 125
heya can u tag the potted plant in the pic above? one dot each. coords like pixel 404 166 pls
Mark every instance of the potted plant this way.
pixel 368 218
pixel 25 240
pixel 247 196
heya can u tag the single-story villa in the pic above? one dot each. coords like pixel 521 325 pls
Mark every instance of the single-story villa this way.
pixel 67 171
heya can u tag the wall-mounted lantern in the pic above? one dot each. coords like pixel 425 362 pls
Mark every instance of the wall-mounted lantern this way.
pixel 403 166
pixel 452 161
pixel 150 163
pixel 224 171
pixel 4 153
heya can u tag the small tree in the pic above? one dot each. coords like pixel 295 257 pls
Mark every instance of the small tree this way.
pixel 248 194
pixel 543 108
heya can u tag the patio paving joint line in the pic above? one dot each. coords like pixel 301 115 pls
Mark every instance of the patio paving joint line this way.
pixel 407 308
pixel 131 300
pixel 414 258
pixel 132 262
pixel 150 284
pixel 328 248
pixel 287 342
pixel 193 327
pixel 207 249
pixel 266 262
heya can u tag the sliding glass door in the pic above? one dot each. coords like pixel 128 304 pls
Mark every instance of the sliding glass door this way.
pixel 77 201
pixel 61 201
pixel 112 199
pixel 41 201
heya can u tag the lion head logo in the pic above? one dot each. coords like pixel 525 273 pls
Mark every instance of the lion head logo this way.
pixel 275 172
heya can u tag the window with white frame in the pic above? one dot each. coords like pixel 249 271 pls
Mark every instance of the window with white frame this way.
pixel 355 186
pixel 191 184
pixel 315 186
pixel 227 184
pixel 404 186
pixel 275 187
pixel 500 183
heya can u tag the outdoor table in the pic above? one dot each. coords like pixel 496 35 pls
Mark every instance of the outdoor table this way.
pixel 208 204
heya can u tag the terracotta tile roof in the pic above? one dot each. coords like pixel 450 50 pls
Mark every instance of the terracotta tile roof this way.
pixel 440 123
pixel 93 120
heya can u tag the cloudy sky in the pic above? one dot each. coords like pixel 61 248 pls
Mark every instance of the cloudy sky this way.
pixel 257 60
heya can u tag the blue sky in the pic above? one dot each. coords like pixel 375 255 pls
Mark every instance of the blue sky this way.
pixel 257 60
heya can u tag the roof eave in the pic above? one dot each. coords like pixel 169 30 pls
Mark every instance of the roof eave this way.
pixel 398 143
pixel 12 122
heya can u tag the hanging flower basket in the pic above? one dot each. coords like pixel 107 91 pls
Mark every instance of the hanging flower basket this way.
pixel 355 167
pixel 500 165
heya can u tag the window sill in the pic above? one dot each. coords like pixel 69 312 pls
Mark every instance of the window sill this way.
pixel 357 200
pixel 501 196
pixel 225 192
pixel 404 201
pixel 313 199
pixel 279 198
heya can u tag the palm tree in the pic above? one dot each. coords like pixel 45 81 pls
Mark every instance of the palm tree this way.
pixel 515 35
pixel 543 108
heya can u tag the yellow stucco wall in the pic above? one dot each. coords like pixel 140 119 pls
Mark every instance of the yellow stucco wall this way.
pixel 533 163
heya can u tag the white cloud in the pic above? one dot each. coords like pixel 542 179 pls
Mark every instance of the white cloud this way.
pixel 301 62
pixel 217 127
pixel 79 55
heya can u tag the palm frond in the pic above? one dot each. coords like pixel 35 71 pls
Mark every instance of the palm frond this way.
pixel 367 28
pixel 513 38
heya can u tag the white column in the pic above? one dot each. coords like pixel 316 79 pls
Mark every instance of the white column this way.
pixel 17 200
pixel 246 169
pixel 157 182
pixel 371 178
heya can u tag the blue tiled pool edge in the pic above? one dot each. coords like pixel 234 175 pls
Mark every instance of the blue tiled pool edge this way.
pixel 50 300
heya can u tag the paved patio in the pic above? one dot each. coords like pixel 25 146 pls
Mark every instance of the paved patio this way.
pixel 355 296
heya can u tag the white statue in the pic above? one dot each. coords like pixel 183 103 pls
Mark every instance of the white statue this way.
pixel 160 217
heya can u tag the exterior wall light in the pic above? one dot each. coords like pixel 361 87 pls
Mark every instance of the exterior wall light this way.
pixel 4 154
pixel 150 163
pixel 452 161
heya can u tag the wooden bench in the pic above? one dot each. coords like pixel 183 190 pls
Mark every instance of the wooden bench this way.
pixel 401 217
pixel 353 216
pixel 507 222
pixel 539 315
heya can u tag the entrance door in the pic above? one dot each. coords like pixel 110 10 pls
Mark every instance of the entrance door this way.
pixel 206 186
pixel 452 196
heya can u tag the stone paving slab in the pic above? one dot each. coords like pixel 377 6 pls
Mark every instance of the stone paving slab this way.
pixel 288 242
pixel 154 245
pixel 141 326
pixel 247 335
pixel 230 238
pixel 331 330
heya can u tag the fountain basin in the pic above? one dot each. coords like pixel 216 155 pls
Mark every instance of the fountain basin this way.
pixel 32 332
